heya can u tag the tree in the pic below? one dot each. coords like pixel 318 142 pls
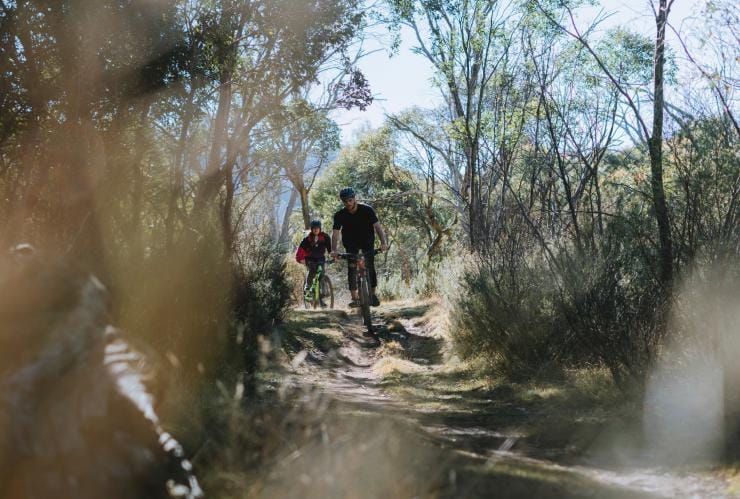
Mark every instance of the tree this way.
pixel 79 75
pixel 466 42
pixel 302 140
pixel 652 135
pixel 718 51
pixel 267 51
pixel 415 220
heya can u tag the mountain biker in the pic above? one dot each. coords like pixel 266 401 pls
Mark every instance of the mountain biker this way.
pixel 358 224
pixel 312 251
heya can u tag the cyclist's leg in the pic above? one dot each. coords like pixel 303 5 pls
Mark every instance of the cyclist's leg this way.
pixel 352 278
pixel 365 300
pixel 373 278
pixel 312 267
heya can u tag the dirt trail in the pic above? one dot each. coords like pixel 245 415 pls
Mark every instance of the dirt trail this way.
pixel 403 423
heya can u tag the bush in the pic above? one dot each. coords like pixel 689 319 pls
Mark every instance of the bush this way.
pixel 178 303
pixel 432 279
pixel 613 312
pixel 509 324
pixel 591 306
pixel 261 294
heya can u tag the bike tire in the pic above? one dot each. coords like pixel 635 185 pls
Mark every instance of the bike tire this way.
pixel 365 302
pixel 327 290
pixel 316 293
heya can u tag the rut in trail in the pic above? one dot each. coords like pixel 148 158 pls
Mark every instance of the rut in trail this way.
pixel 398 421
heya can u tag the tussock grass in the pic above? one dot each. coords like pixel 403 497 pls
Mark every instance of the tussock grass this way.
pixel 391 349
pixel 388 366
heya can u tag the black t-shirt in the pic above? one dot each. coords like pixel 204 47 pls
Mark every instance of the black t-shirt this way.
pixel 357 229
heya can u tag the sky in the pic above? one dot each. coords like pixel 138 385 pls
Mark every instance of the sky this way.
pixel 405 79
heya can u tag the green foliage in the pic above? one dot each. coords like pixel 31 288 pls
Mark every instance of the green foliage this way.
pixel 629 57
pixel 298 133
pixel 370 167
pixel 602 307
pixel 702 172
pixel 261 292
pixel 508 325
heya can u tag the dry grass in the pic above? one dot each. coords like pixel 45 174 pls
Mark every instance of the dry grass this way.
pixel 306 445
pixel 388 366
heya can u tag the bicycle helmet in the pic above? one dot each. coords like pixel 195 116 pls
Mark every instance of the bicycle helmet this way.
pixel 315 223
pixel 347 192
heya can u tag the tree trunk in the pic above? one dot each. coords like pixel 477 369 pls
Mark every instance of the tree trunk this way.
pixel 655 146
pixel 179 170
pixel 213 177
pixel 283 239
pixel 303 192
pixel 227 226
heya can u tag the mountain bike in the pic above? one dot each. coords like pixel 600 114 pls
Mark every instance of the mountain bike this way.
pixel 320 288
pixel 363 284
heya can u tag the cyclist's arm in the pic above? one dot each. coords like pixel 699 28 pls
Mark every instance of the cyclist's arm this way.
pixel 381 234
pixel 329 245
pixel 302 251
pixel 334 240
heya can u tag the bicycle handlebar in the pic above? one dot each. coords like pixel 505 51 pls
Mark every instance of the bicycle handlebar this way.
pixel 354 256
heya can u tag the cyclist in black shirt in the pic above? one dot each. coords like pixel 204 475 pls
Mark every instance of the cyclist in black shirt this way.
pixel 358 224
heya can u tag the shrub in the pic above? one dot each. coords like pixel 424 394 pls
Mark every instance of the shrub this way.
pixel 588 306
pixel 612 310
pixel 433 279
pixel 508 324
pixel 261 294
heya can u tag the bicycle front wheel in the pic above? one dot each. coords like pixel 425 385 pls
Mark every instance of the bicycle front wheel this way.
pixel 327 291
pixel 316 293
pixel 365 302
pixel 307 294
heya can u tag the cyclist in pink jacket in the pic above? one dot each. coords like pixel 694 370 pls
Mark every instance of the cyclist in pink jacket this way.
pixel 313 250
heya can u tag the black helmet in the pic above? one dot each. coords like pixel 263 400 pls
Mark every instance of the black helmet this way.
pixel 347 192
pixel 315 223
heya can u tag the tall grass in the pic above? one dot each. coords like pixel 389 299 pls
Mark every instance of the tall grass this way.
pixel 436 278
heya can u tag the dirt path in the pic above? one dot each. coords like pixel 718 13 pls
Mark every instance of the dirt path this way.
pixel 398 421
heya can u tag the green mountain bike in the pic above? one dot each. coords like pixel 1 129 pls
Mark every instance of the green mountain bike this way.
pixel 320 290
pixel 363 285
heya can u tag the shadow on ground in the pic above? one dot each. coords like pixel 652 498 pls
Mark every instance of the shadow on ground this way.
pixel 390 416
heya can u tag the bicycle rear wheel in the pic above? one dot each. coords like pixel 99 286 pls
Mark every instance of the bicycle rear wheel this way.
pixel 327 291
pixel 364 289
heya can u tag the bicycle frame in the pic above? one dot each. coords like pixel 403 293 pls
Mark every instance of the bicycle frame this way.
pixel 363 286
pixel 314 290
